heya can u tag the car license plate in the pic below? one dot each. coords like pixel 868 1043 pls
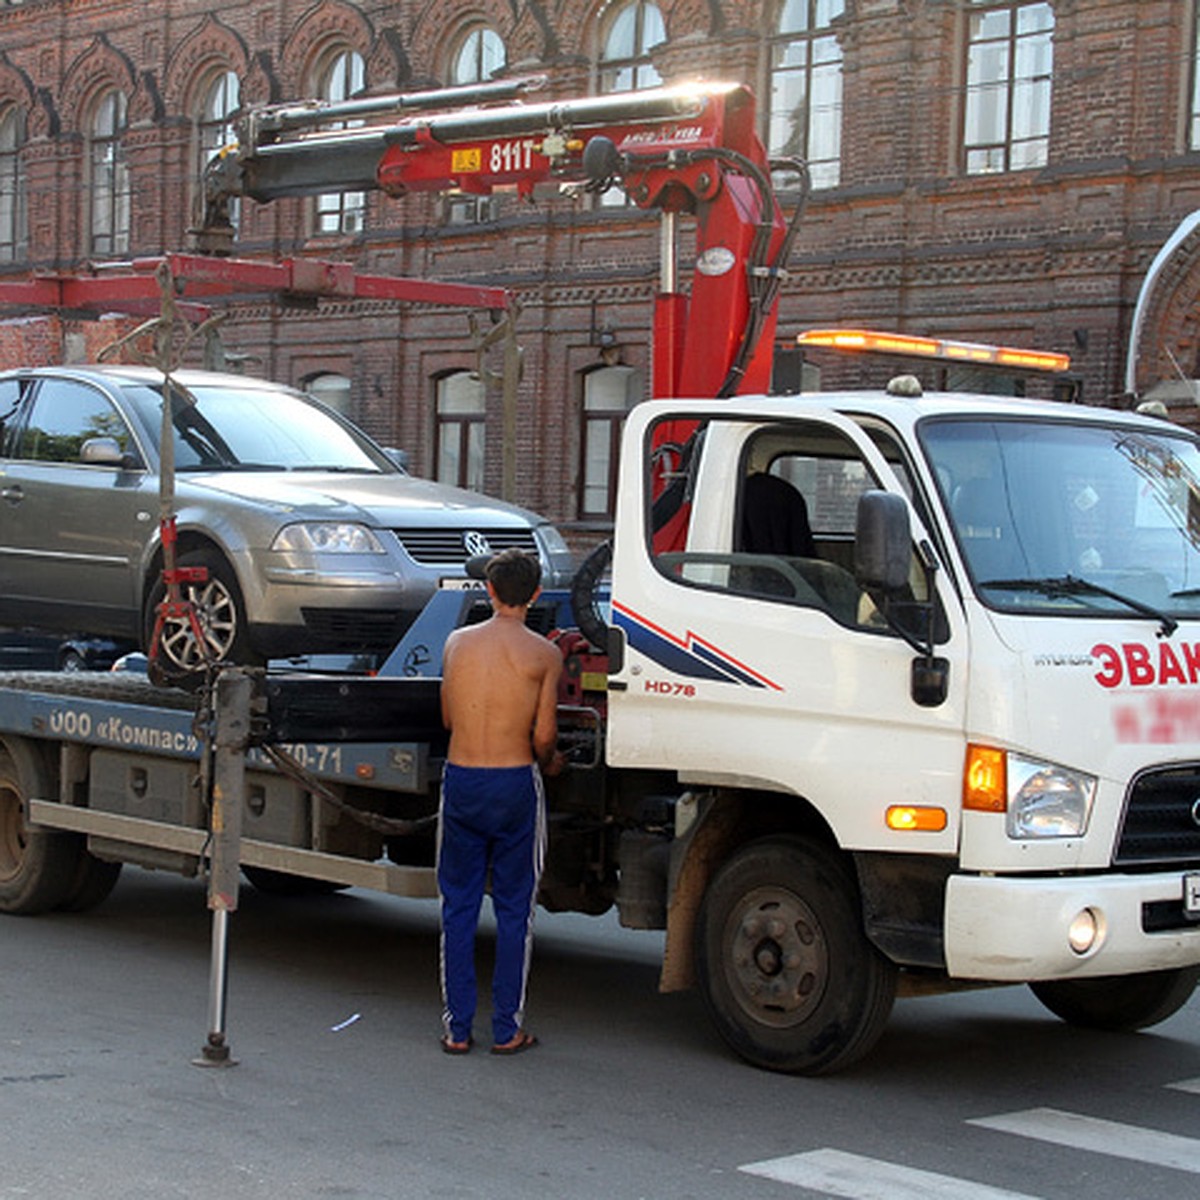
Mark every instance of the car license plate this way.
pixel 466 584
pixel 1191 895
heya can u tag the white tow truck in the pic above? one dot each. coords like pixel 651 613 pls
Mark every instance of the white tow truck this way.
pixel 887 693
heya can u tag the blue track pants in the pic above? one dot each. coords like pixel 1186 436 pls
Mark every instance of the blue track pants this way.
pixel 492 818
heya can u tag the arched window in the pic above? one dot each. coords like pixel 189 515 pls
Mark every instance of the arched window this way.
pixel 805 111
pixel 480 56
pixel 214 125
pixel 332 389
pixel 1194 114
pixel 12 189
pixel 625 66
pixel 631 34
pixel 608 395
pixel 461 407
pixel 110 193
pixel 341 212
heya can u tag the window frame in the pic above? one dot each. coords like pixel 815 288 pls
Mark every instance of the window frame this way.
pixel 110 191
pixel 640 60
pixel 468 426
pixel 215 127
pixel 333 212
pixel 614 418
pixel 476 36
pixel 13 235
pixel 998 156
pixel 815 31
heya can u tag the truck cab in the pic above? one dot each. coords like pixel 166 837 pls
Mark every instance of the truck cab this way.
pixel 1031 817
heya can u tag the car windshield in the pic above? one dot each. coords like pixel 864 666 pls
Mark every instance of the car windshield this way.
pixel 224 428
pixel 1072 518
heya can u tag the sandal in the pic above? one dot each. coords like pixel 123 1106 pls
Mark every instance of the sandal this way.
pixel 521 1042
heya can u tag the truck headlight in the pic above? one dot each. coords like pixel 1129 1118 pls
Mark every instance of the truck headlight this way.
pixel 327 537
pixel 1046 800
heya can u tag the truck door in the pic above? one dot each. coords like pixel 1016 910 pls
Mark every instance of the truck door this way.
pixel 72 531
pixel 755 660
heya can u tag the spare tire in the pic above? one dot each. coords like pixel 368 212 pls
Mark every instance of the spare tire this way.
pixel 584 608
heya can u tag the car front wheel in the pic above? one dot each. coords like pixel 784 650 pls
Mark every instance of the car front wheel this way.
pixel 220 618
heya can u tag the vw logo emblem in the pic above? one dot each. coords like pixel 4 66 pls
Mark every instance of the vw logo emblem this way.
pixel 475 543
pixel 1196 812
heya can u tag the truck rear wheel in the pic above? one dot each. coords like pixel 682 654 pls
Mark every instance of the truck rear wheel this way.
pixel 37 866
pixel 1119 1003
pixel 94 879
pixel 788 976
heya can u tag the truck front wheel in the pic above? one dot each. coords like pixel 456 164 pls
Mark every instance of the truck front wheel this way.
pixel 37 866
pixel 1119 1003
pixel 788 975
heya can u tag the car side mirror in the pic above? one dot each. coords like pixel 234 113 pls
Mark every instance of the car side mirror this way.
pixel 399 457
pixel 106 452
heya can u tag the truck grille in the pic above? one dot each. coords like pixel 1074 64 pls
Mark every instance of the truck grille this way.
pixel 1162 819
pixel 449 547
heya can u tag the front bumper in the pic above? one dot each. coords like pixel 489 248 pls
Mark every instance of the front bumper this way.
pixel 1009 929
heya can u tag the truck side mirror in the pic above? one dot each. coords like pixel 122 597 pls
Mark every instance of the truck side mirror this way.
pixel 882 542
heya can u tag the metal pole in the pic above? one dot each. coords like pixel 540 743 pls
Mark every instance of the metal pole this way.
pixel 233 694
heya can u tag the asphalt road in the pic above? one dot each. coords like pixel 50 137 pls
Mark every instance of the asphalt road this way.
pixel 341 1090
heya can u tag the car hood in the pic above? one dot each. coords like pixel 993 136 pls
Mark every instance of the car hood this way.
pixel 384 501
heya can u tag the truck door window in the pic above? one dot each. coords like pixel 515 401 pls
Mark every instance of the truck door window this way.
pixel 773 517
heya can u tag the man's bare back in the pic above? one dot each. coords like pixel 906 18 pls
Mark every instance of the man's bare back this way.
pixel 500 692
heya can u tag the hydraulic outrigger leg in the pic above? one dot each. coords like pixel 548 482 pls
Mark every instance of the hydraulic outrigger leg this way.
pixel 233 694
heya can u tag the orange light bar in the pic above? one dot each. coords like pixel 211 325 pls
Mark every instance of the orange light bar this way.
pixel 915 817
pixel 923 347
pixel 985 782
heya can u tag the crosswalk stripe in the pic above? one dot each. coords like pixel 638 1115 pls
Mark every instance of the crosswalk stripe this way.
pixel 858 1178
pixel 1186 1085
pixel 1100 1137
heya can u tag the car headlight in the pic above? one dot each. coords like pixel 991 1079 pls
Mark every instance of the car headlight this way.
pixel 552 540
pixel 1046 800
pixel 557 554
pixel 327 537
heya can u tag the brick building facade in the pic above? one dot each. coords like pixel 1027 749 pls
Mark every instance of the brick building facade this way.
pixel 992 171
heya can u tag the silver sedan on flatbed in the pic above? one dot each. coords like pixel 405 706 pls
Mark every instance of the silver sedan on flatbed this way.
pixel 313 538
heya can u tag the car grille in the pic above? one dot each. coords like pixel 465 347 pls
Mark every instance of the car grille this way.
pixel 353 628
pixel 1162 819
pixel 448 547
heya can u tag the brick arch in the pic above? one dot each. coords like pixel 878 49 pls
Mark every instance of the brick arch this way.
pixel 98 68
pixel 1169 324
pixel 210 45
pixel 15 86
pixel 387 65
pixel 326 25
pixel 696 16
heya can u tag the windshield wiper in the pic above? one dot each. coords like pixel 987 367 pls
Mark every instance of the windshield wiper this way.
pixel 336 469
pixel 231 466
pixel 1072 585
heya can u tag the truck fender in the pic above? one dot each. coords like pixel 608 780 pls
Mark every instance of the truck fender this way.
pixel 694 858
pixel 726 819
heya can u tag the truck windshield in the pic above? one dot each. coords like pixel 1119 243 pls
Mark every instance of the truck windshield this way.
pixel 1072 518
pixel 219 428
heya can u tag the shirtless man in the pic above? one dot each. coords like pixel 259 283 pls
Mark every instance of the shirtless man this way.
pixel 499 701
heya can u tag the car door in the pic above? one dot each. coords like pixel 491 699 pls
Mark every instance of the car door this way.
pixel 71 531
pixel 755 660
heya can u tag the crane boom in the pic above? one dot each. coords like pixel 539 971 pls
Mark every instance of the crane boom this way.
pixel 682 149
